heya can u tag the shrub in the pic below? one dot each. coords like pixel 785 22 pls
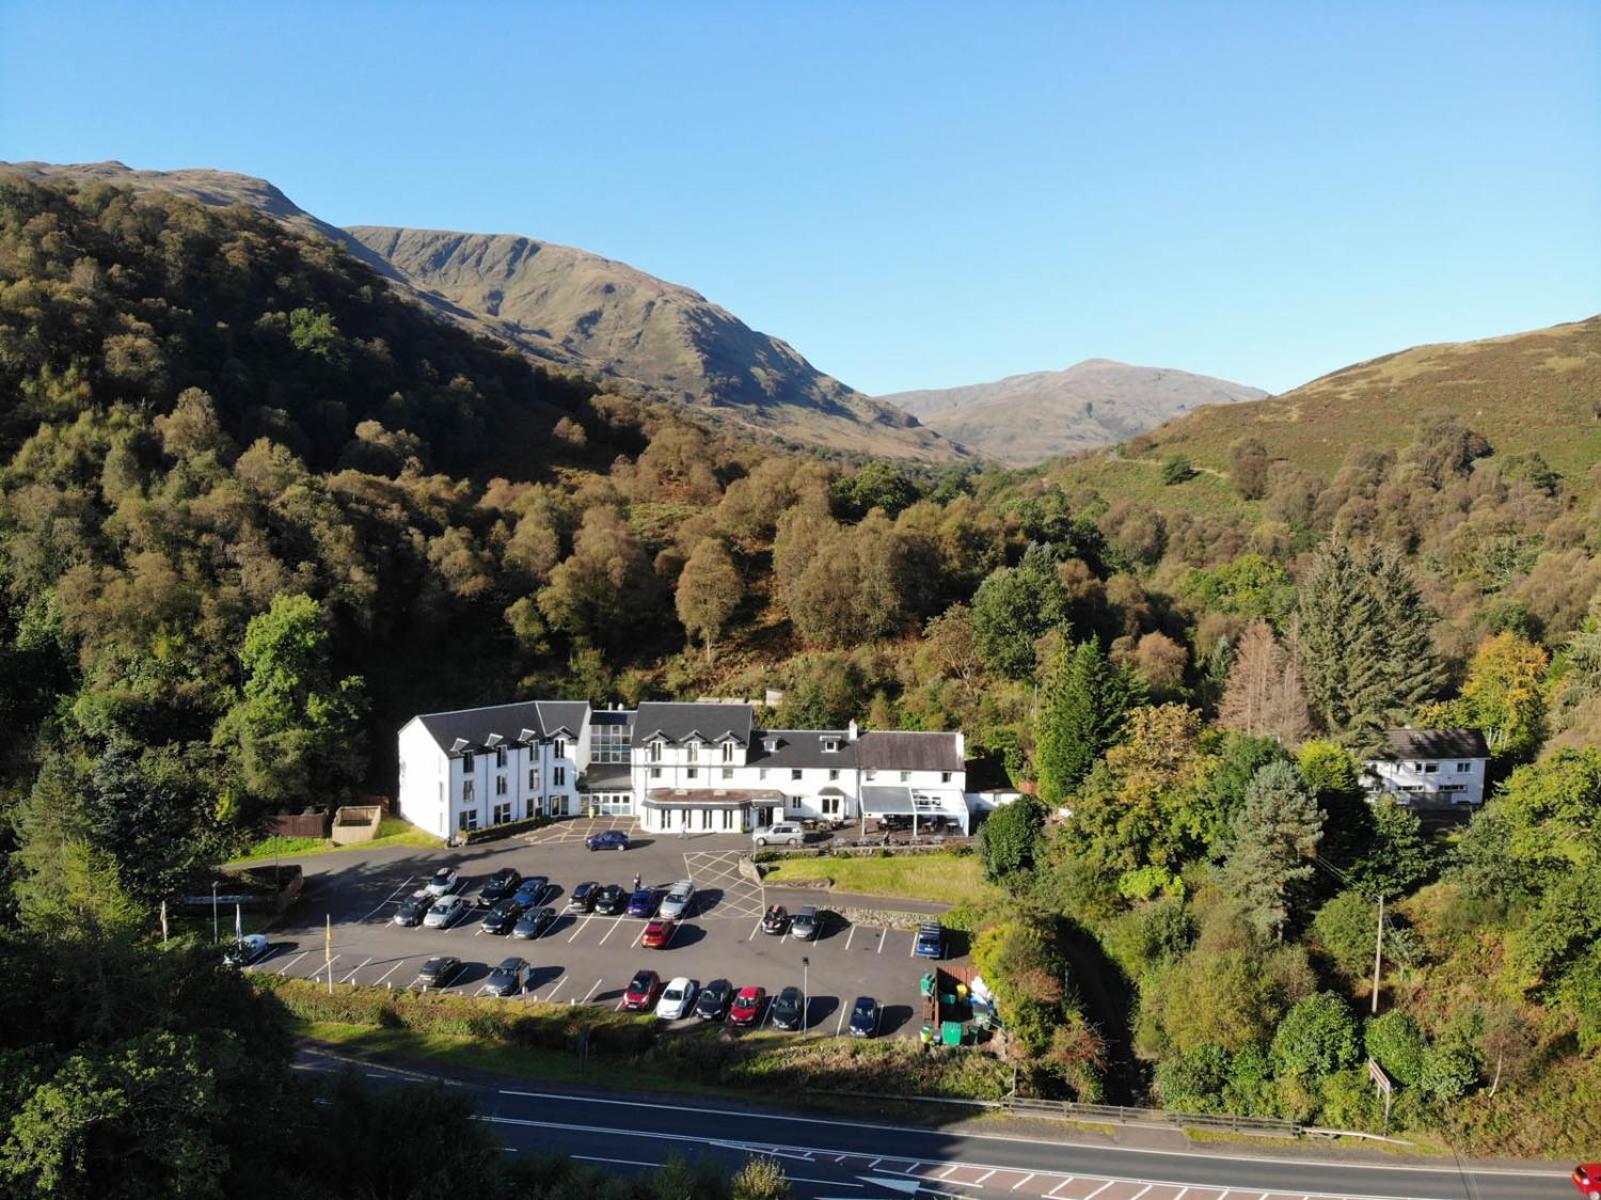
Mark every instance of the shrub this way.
pixel 1345 928
pixel 1395 1042
pixel 1317 1037
pixel 1194 1082
pixel 1449 1071
pixel 1009 836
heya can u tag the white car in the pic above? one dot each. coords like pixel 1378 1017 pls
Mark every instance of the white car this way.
pixel 783 833
pixel 246 950
pixel 444 882
pixel 676 903
pixel 678 999
pixel 445 912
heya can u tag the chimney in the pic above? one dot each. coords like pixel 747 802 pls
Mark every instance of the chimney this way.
pixel 851 731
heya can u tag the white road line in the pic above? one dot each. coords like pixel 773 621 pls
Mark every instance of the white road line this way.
pixel 353 971
pixel 615 922
pixel 1147 1187
pixel 551 995
pixel 580 928
pixel 626 1162
pixel 1110 1182
pixel 987 1174
pixel 387 973
pixel 1184 1191
pixel 284 970
pixel 882 934
pixel 389 899
pixel 959 1183
pixel 634 945
pixel 591 991
pixel 947 1172
pixel 1022 1181
pixel 327 966
pixel 874 1163
pixel 754 930
pixel 849 936
pixel 1061 1185
pixel 840 1028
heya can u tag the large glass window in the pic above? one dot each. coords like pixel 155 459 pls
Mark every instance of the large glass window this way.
pixel 692 751
pixel 610 743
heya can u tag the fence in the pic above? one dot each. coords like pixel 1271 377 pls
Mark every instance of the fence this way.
pixel 357 824
pixel 313 823
pixel 867 848
pixel 1118 1114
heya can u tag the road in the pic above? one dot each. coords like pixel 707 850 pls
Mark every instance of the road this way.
pixel 830 1157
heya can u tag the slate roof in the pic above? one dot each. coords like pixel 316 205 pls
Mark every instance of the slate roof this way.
pixel 677 720
pixel 474 726
pixel 801 748
pixel 907 751
pixel 1404 744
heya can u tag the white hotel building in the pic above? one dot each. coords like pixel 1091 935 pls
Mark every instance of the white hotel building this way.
pixel 699 767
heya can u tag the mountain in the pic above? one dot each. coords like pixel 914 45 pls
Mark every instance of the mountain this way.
pixel 1024 419
pixel 614 324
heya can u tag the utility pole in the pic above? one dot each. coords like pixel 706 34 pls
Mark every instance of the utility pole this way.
pixel 806 992
pixel 214 912
pixel 328 953
pixel 1378 954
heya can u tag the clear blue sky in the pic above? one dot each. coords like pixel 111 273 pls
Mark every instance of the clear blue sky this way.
pixel 914 195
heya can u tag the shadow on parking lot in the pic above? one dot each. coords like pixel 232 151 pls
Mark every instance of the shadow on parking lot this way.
pixel 896 1017
pixel 820 1009
pixel 538 977
pixel 706 900
pixel 686 935
pixel 471 975
pixel 830 925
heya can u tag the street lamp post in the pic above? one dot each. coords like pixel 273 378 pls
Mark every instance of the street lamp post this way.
pixel 214 912
pixel 806 994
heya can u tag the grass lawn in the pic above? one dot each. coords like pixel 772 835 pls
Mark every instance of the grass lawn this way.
pixel 941 878
pixel 391 832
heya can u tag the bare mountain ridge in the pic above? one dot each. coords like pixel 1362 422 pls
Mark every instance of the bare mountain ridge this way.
pixel 1025 419
pixel 579 311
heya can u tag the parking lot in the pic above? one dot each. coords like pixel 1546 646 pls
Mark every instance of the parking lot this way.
pixel 589 958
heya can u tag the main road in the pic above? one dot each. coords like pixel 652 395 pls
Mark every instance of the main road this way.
pixel 839 1157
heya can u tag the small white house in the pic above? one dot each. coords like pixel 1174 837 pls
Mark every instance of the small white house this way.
pixel 1430 768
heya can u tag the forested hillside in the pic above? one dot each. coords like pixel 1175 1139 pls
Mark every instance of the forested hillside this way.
pixel 255 511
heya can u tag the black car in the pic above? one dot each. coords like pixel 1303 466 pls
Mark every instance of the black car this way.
pixel 414 908
pixel 438 972
pixel 502 917
pixel 499 886
pixel 775 920
pixel 507 979
pixel 712 1003
pixel 865 1016
pixel 788 1007
pixel 582 898
pixel 611 900
pixel 534 922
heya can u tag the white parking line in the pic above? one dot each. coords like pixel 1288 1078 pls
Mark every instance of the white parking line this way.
pixel 849 936
pixel 387 973
pixel 912 950
pixel 353 971
pixel 1110 1182
pixel 615 922
pixel 327 966
pixel 1147 1187
pixel 754 930
pixel 1022 1181
pixel 882 934
pixel 550 996
pixel 593 989
pixel 389 899
pixel 284 970
pixel 840 1027
pixel 582 925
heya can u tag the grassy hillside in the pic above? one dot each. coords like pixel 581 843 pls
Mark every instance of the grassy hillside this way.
pixel 1528 391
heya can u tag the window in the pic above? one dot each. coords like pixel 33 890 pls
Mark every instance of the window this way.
pixel 728 818
pixel 468 820
pixel 872 775
pixel 502 814
pixel 500 756
pixel 794 802
pixel 770 744
pixel 761 773
pixel 728 772
pixel 833 774
pixel 692 772
pixel 466 763
pixel 1430 768
pixel 831 806
pixel 559 748
pixel 533 778
pixel 1461 769
pixel 905 776
pixel 655 772
pixel 830 745
pixel 558 777
pixel 692 752
pixel 728 751
pixel 795 774
pixel 467 791
pixel 655 754
pixel 500 785
pixel 610 743
pixel 944 776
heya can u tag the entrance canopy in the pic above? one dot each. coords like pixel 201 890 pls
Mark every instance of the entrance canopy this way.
pixel 917 803
pixel 711 797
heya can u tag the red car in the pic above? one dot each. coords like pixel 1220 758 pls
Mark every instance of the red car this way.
pixel 657 935
pixel 640 995
pixel 747 1006
pixel 1587 1178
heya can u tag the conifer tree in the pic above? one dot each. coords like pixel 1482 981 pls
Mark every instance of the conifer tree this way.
pixel 1084 705
pixel 1263 696
pixel 1276 834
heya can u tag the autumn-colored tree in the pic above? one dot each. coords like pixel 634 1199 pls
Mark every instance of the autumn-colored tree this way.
pixel 606 588
pixel 1249 462
pixel 709 591
pixel 1504 696
pixel 1159 662
pixel 1263 695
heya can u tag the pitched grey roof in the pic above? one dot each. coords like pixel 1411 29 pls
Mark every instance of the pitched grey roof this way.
pixel 801 748
pixel 907 751
pixel 472 727
pixel 1433 743
pixel 676 721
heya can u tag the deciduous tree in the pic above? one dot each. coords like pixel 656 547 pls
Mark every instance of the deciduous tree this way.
pixel 709 592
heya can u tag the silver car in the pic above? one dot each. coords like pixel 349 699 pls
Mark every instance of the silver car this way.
pixel 676 904
pixel 445 912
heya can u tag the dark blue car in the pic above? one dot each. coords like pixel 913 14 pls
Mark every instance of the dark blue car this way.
pixel 531 892
pixel 930 942
pixel 612 839
pixel 642 903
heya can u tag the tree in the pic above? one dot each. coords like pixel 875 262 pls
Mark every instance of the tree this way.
pixel 1176 469
pixel 1361 636
pixel 1221 794
pixel 1263 695
pixel 1395 1042
pixel 1335 778
pixel 605 590
pixel 1007 839
pixel 1159 662
pixel 1249 461
pixel 880 484
pixel 709 592
pixel 1317 1037
pixel 1397 858
pixel 294 733
pixel 1275 832
pixel 1084 705
pixel 1346 927
pixel 1504 696
pixel 1015 607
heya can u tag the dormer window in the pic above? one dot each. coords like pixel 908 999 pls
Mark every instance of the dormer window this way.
pixel 770 745
pixel 467 762
pixel 500 756
pixel 559 748
pixel 654 754
pixel 728 752
pixel 692 751
pixel 830 745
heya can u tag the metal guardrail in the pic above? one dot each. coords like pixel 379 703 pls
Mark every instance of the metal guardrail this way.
pixel 1118 1114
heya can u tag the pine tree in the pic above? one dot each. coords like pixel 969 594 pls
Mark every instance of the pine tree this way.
pixel 1276 832
pixel 1263 696
pixel 1084 704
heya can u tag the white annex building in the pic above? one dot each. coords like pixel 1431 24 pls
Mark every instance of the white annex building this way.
pixel 700 767
pixel 1430 768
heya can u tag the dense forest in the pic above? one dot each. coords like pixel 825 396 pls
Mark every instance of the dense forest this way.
pixel 255 511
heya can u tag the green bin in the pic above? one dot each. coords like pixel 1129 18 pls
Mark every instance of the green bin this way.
pixel 951 1033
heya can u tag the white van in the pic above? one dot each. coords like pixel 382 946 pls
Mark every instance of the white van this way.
pixel 782 833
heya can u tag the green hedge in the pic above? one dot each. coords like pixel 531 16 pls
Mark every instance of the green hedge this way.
pixel 506 829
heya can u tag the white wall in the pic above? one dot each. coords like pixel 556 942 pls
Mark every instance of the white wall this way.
pixel 1397 777
pixel 423 795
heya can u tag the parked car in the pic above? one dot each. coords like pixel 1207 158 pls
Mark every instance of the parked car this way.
pixel 438 972
pixel 246 950
pixel 930 941
pixel 498 886
pixel 676 902
pixel 611 900
pixel 781 833
pixel 444 881
pixel 642 903
pixel 775 920
pixel 805 924
pixel 658 934
pixel 502 917
pixel 534 922
pixel 640 994
pixel 582 898
pixel 789 1009
pixel 508 978
pixel 414 908
pixel 865 1017
pixel 532 890
pixel 747 1007
pixel 445 912
pixel 1587 1178
pixel 712 1003
pixel 611 839
pixel 677 998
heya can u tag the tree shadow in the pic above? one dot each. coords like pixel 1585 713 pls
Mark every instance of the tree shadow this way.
pixel 895 1017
